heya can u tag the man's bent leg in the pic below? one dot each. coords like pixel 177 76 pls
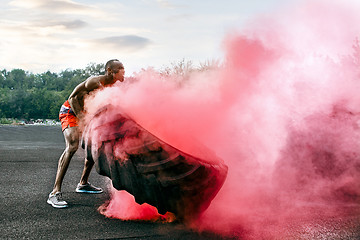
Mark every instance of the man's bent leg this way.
pixel 86 172
pixel 84 186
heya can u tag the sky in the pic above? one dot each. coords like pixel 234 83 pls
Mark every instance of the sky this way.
pixel 54 35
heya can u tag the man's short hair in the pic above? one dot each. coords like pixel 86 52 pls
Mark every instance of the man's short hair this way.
pixel 110 63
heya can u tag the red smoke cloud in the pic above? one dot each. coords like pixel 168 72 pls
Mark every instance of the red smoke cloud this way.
pixel 282 112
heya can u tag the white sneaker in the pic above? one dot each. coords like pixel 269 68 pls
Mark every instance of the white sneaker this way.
pixel 55 200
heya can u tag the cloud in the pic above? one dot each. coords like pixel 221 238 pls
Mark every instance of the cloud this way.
pixel 56 6
pixel 126 42
pixel 66 5
pixel 167 4
pixel 70 24
pixel 44 27
pixel 180 17
pixel 25 4
pixel 164 3
pixel 31 18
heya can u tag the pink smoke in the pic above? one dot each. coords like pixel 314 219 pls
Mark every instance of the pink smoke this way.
pixel 282 112
pixel 130 210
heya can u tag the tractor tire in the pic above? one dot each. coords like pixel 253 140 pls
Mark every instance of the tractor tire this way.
pixel 151 170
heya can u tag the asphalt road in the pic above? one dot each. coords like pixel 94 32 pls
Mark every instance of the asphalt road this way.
pixel 28 160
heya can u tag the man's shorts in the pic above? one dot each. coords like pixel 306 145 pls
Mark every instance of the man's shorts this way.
pixel 67 116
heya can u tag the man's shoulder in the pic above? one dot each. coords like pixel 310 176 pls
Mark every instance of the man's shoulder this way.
pixel 94 82
pixel 95 78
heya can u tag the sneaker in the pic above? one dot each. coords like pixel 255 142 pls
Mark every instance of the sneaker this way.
pixel 56 201
pixel 88 188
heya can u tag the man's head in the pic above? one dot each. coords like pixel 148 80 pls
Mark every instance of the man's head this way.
pixel 115 69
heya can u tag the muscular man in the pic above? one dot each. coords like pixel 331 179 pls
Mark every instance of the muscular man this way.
pixel 70 113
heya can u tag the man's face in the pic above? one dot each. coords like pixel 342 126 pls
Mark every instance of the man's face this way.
pixel 118 71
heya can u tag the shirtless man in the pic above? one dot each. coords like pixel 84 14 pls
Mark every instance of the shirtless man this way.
pixel 70 113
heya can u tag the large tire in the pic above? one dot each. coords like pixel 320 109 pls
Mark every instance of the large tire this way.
pixel 150 169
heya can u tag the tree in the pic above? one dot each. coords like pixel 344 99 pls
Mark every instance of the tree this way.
pixel 31 96
pixel 49 80
pixel 2 79
pixel 94 69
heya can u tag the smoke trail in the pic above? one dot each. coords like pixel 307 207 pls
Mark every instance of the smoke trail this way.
pixel 282 112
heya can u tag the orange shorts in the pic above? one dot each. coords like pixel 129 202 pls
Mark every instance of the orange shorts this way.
pixel 67 116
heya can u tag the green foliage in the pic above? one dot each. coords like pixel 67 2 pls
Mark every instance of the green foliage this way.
pixel 185 68
pixel 5 121
pixel 24 95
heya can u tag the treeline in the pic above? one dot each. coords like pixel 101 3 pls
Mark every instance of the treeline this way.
pixel 24 95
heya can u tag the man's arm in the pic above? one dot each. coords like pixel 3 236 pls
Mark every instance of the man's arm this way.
pixel 76 98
